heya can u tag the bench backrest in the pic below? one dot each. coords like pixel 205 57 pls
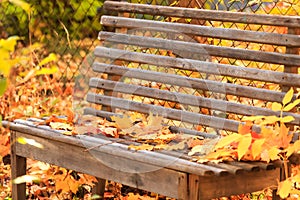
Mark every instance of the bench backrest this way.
pixel 201 77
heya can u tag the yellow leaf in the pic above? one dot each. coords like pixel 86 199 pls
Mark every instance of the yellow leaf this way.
pixel 290 150
pixel 297 145
pixel 61 126
pixel 45 71
pixel 284 188
pixel 276 106
pixel 141 147
pixel 10 43
pixel 25 179
pixel 51 57
pixel 31 142
pixel 196 149
pixel 273 153
pixel 288 97
pixel 287 119
pixel 290 106
pixel 178 146
pixel 253 118
pixel 227 140
pixel 122 122
pixel 244 145
pixel 270 120
pixel 24 5
pixel 257 147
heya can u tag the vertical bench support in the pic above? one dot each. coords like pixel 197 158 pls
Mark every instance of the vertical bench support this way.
pixel 18 168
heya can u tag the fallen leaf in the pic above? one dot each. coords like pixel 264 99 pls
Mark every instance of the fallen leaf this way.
pixel 122 122
pixel 227 140
pixel 61 126
pixel 244 145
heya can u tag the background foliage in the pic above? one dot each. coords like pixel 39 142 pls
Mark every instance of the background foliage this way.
pixel 55 39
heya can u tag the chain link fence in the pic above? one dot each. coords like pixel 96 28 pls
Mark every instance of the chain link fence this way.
pixel 70 28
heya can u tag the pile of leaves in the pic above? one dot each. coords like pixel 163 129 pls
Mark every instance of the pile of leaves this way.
pixel 273 143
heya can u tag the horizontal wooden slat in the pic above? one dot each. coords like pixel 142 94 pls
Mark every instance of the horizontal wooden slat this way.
pixel 116 149
pixel 174 129
pixel 186 99
pixel 287 79
pixel 204 49
pixel 222 33
pixel 273 20
pixel 180 115
pixel 201 84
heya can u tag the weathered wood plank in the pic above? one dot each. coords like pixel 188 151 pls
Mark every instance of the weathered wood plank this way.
pixel 76 158
pixel 180 115
pixel 119 150
pixel 183 81
pixel 201 66
pixel 174 129
pixel 186 99
pixel 292 50
pixel 222 33
pixel 248 18
pixel 201 49
pixel 226 186
pixel 18 168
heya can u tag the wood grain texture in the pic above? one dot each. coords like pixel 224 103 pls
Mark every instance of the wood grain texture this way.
pixel 186 99
pixel 226 186
pixel 180 115
pixel 18 168
pixel 195 83
pixel 273 20
pixel 206 31
pixel 119 150
pixel 76 158
pixel 180 47
pixel 200 66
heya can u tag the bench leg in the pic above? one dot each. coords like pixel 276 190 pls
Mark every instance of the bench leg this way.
pixel 18 168
pixel 99 188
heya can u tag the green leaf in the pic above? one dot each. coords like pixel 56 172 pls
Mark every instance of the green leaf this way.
pixel 290 106
pixel 288 97
pixel 22 4
pixel 3 85
pixel 45 71
pixel 0 120
pixel 51 57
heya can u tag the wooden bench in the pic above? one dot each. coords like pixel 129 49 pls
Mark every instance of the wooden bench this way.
pixel 200 77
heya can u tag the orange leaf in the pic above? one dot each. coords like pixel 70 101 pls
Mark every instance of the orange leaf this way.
pixel 244 145
pixel 245 128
